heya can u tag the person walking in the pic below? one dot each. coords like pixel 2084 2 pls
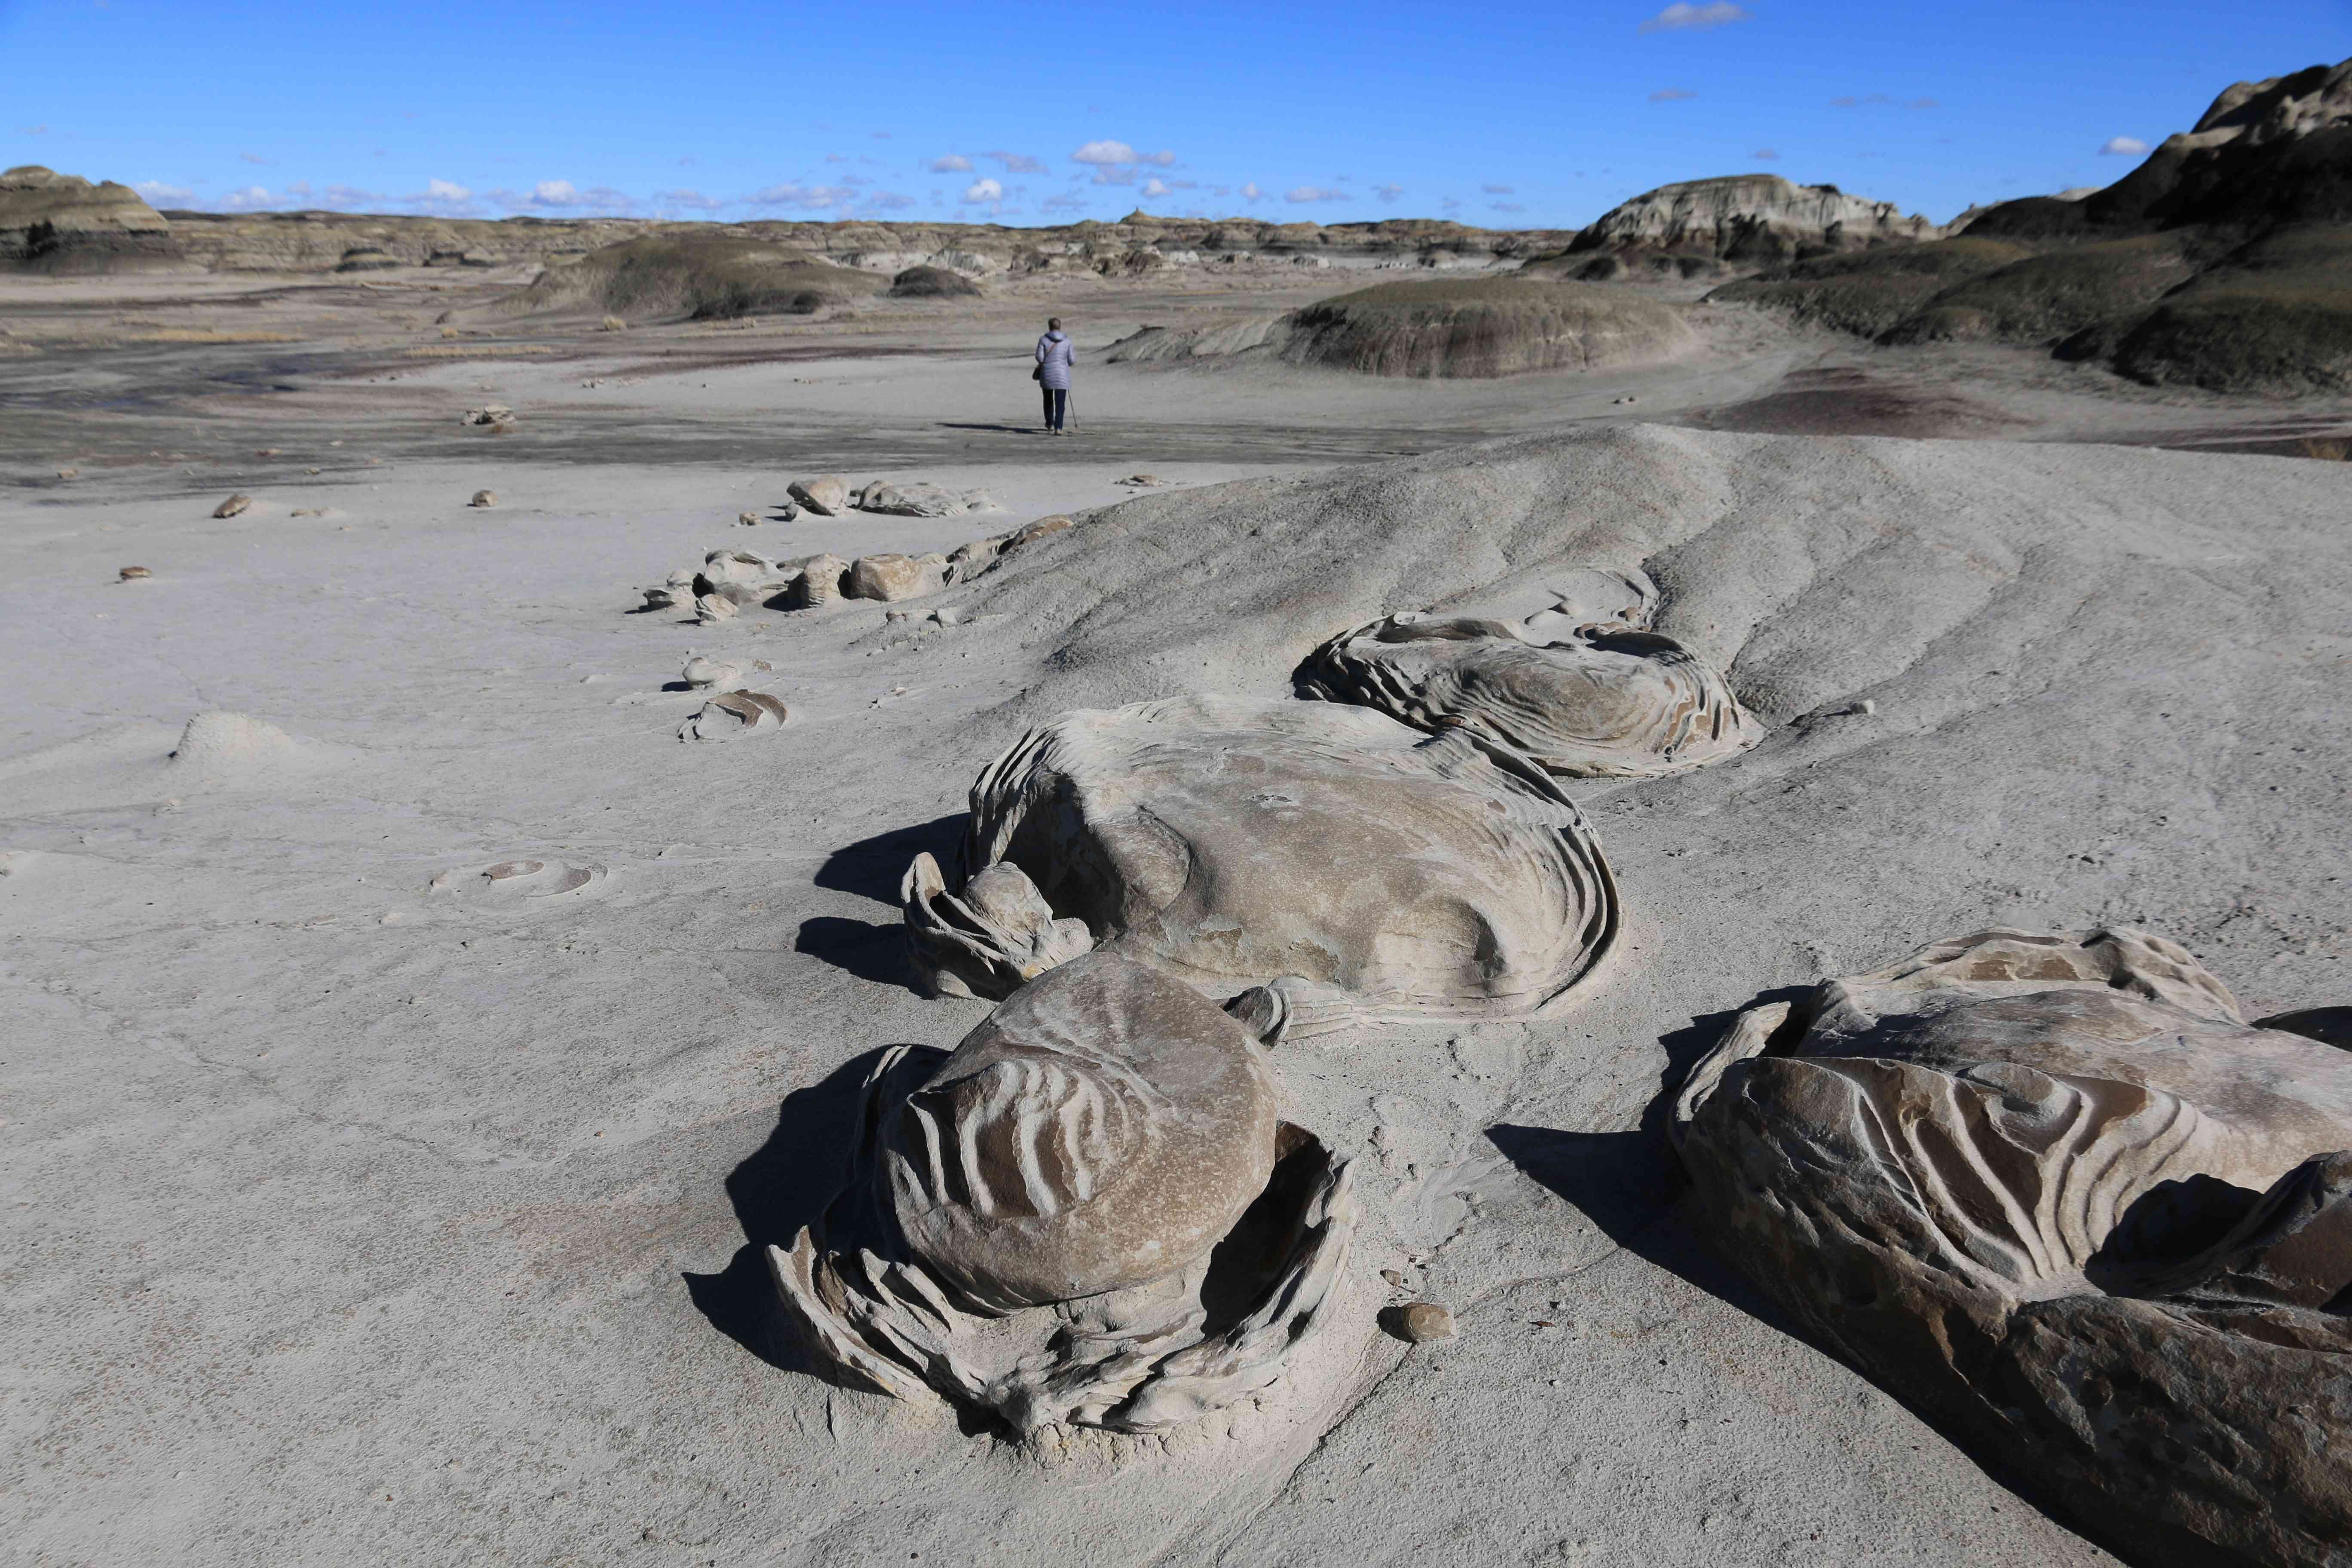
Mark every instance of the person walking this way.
pixel 1055 356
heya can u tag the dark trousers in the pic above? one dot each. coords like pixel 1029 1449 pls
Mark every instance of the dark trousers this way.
pixel 1057 406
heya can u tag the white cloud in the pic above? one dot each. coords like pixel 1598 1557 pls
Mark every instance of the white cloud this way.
pixel 447 190
pixel 982 192
pixel 1672 95
pixel 1111 174
pixel 954 163
pixel 1313 193
pixel 1506 207
pixel 1684 18
pixel 1388 193
pixel 1250 192
pixel 1157 187
pixel 1163 159
pixel 1500 190
pixel 254 157
pixel 809 198
pixel 1017 162
pixel 889 201
pixel 2124 146
pixel 1765 156
pixel 1104 152
pixel 247 199
pixel 554 193
pixel 687 201
pixel 157 191
pixel 1865 101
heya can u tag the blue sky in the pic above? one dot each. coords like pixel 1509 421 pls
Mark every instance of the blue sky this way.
pixel 1506 115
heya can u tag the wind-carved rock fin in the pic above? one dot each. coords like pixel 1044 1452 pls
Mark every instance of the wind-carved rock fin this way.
pixel 995 936
pixel 1586 698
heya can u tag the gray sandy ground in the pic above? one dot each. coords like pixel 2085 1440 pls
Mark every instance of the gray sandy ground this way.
pixel 348 1219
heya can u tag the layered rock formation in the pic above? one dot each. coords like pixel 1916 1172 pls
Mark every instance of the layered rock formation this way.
pixel 61 223
pixel 1749 217
pixel 2223 261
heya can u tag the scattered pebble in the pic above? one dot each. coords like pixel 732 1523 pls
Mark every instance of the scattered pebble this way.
pixel 309 512
pixel 483 498
pixel 136 573
pixel 265 452
pixel 1423 1321
pixel 1393 1277
pixel 69 473
pixel 748 519
pixel 1143 482
pixel 232 506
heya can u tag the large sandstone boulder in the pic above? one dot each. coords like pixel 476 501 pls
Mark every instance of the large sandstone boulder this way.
pixel 61 223
pixel 1195 834
pixel 827 495
pixel 2055 1191
pixel 890 576
pixel 1048 1223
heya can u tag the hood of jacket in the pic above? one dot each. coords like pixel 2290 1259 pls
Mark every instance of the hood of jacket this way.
pixel 1057 336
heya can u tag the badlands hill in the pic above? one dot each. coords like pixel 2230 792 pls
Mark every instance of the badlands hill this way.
pixel 1432 328
pixel 61 223
pixel 2223 261
pixel 1138 245
pixel 1734 218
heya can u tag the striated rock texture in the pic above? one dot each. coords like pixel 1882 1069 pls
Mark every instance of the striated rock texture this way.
pixel 1100 1171
pixel 61 223
pixel 1751 217
pixel 1584 699
pixel 2056 1193
pixel 1195 834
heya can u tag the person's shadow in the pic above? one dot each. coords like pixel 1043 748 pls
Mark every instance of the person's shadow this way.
pixel 783 1186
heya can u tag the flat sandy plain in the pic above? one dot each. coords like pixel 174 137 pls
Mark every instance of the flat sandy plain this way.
pixel 352 1220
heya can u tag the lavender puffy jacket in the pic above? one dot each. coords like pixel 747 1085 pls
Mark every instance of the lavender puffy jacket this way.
pixel 1056 355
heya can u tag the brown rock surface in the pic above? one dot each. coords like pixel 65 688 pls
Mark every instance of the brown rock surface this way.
pixel 2054 1191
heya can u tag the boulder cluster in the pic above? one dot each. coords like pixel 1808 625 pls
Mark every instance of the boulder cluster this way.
pixel 731 581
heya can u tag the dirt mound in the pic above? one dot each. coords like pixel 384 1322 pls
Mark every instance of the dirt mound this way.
pixel 1482 327
pixel 932 283
pixel 698 279
pixel 1872 292
pixel 2275 316
pixel 1439 327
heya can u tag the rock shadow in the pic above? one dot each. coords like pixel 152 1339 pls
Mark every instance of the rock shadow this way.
pixel 1630 1184
pixel 781 1187
pixel 874 951
pixel 872 867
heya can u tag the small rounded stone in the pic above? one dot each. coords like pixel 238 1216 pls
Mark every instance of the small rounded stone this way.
pixel 1423 1321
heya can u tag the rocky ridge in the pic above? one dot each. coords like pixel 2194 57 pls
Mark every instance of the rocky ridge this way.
pixel 61 223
